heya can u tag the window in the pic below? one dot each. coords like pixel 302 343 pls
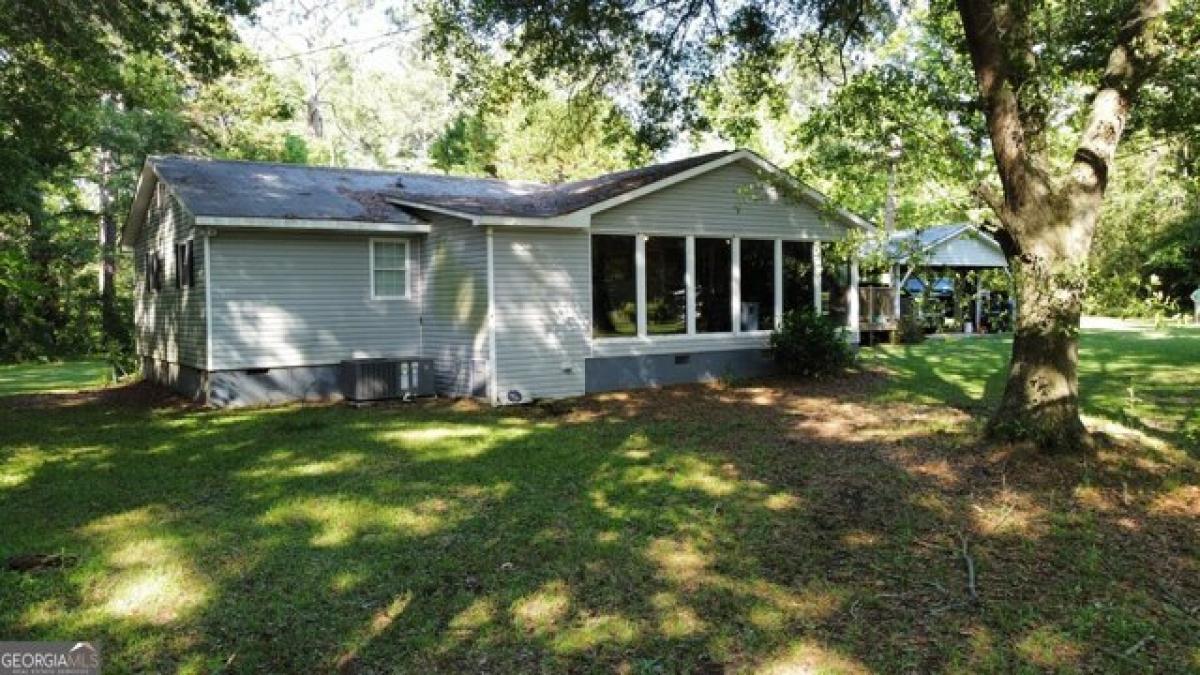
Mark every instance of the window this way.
pixel 614 285
pixel 184 265
pixel 714 287
pixel 835 283
pixel 666 285
pixel 641 287
pixel 797 275
pixel 389 269
pixel 153 271
pixel 758 284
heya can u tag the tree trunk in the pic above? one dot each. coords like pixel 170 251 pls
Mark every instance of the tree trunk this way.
pixel 110 319
pixel 1041 395
pixel 1049 222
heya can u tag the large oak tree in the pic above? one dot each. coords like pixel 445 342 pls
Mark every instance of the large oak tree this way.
pixel 1026 56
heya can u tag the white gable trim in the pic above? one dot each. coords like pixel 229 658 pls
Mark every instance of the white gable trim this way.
pixel 809 195
pixel 981 236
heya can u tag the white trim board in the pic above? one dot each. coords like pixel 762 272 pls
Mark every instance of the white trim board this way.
pixel 313 224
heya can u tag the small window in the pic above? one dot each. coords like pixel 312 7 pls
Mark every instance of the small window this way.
pixel 153 271
pixel 389 269
pixel 184 267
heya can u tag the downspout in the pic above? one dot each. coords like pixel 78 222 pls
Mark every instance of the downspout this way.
pixel 493 369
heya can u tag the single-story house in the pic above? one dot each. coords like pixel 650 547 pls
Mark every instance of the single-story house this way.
pixel 257 282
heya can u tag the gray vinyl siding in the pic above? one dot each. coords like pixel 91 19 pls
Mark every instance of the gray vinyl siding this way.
pixel 293 299
pixel 730 200
pixel 542 296
pixel 169 323
pixel 456 306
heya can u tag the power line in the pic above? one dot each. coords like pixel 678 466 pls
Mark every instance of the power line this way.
pixel 343 45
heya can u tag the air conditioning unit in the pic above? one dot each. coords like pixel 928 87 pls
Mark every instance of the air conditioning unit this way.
pixel 377 379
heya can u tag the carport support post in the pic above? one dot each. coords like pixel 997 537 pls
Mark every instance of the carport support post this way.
pixel 978 312
pixel 853 319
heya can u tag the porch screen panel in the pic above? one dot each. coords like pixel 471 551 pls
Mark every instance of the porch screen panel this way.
pixel 798 273
pixel 614 286
pixel 714 285
pixel 835 283
pixel 666 285
pixel 758 284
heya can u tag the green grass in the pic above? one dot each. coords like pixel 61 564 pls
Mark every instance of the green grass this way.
pixel 32 378
pixel 785 526
pixel 1146 379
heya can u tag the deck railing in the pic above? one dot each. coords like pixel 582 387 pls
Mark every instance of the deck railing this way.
pixel 876 311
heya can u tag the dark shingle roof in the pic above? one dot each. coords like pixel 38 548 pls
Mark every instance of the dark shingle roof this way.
pixel 227 188
pixel 480 197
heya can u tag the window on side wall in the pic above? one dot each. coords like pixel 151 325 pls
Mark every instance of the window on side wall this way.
pixel 184 265
pixel 153 271
pixel 389 269
pixel 614 285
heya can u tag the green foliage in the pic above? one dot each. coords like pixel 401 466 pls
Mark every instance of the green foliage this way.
pixel 910 330
pixel 549 138
pixel 808 344
pixel 466 147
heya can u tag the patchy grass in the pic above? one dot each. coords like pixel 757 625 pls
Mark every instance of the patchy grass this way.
pixel 776 528
pixel 1143 378
pixel 30 378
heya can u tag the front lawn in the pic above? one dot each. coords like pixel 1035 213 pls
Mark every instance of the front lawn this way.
pixel 776 527
pixel 31 378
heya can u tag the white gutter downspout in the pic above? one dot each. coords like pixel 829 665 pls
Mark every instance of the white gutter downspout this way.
pixel 493 374
pixel 208 315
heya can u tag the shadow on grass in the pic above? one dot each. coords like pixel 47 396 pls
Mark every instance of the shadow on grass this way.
pixel 683 530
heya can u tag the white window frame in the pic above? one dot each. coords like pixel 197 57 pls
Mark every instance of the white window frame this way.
pixel 407 268
pixel 735 299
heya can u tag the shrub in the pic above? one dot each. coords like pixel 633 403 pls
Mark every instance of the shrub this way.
pixel 810 345
pixel 910 330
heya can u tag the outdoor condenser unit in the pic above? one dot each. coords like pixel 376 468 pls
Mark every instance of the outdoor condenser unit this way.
pixel 375 379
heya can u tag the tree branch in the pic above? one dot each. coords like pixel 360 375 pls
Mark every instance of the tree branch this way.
pixel 1129 64
pixel 1000 104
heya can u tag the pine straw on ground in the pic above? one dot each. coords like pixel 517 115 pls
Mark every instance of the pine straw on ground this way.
pixel 774 526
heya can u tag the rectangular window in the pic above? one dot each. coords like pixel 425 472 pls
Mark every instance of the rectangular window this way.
pixel 154 271
pixel 666 285
pixel 714 285
pixel 797 275
pixel 758 284
pixel 389 269
pixel 184 272
pixel 614 286
pixel 835 284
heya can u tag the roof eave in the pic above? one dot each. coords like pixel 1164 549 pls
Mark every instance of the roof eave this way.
pixel 138 209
